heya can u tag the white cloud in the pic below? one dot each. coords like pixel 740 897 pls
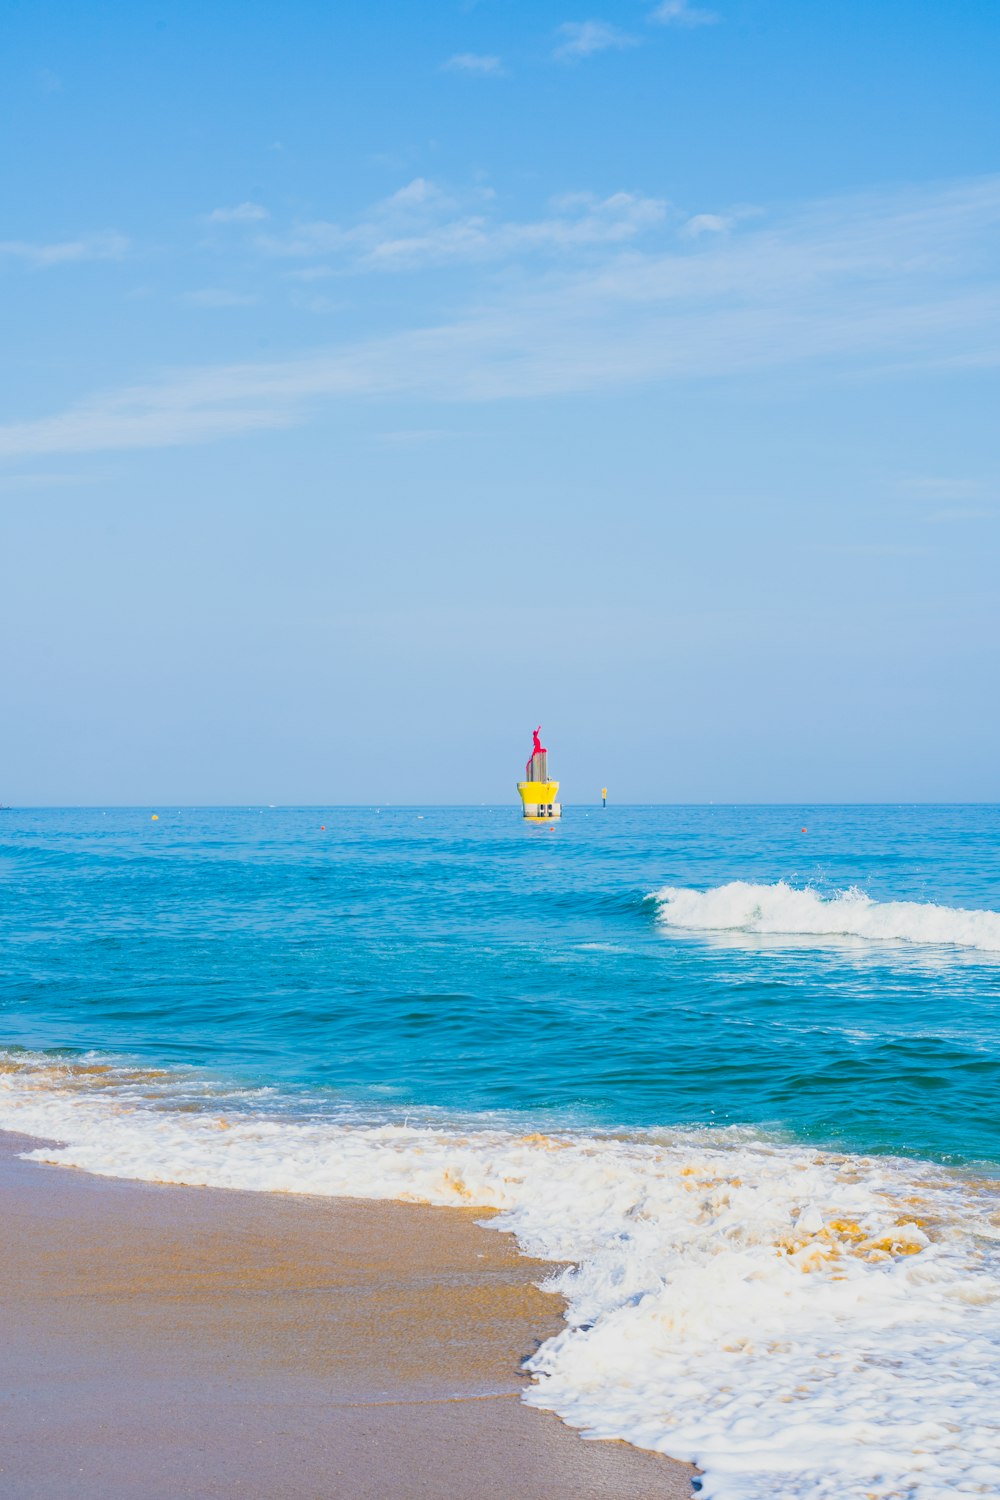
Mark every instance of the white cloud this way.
pixel 906 280
pixel 311 273
pixel 314 302
pixel 484 64
pixel 419 191
pixel 212 296
pixel 680 13
pixel 240 213
pixel 706 224
pixel 953 514
pixel 923 487
pixel 39 481
pixel 421 225
pixel 578 221
pixel 413 437
pixel 107 246
pixel 584 38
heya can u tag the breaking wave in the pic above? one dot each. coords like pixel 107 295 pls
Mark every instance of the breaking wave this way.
pixel 784 911
pixel 797 1322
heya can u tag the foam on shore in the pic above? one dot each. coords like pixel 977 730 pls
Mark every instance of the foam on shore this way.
pixel 797 1322
pixel 786 911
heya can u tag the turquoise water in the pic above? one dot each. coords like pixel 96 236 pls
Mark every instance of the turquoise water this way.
pixel 711 1059
pixel 460 961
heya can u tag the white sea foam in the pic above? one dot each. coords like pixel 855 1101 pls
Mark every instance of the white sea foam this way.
pixel 802 1324
pixel 784 910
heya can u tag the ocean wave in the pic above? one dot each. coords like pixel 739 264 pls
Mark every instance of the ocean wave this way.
pixel 783 910
pixel 794 1321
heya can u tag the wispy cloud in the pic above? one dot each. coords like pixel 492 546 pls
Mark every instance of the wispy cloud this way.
pixel 681 13
pixel 908 280
pixel 316 302
pixel 584 38
pixel 701 224
pixel 413 437
pixel 214 296
pixel 106 246
pixel 311 273
pixel 41 481
pixel 953 514
pixel 959 498
pixel 240 213
pixel 484 64
pixel 870 549
pixel 937 487
pixel 423 225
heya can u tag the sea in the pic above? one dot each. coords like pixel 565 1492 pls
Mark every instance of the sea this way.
pixel 734 1070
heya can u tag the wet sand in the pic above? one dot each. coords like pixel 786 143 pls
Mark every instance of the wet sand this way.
pixel 169 1342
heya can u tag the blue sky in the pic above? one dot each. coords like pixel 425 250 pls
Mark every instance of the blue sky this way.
pixel 381 380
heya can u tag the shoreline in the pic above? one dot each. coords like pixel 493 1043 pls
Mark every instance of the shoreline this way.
pixel 168 1341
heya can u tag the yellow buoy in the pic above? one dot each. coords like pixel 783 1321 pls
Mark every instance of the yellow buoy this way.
pixel 538 793
pixel 154 818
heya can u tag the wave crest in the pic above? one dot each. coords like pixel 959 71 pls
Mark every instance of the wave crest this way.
pixel 783 910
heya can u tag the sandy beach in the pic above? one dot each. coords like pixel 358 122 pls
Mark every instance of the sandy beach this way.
pixel 168 1341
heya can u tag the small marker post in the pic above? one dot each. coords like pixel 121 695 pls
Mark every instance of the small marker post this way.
pixel 604 796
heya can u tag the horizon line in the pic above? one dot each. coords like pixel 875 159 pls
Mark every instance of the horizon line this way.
pixel 457 806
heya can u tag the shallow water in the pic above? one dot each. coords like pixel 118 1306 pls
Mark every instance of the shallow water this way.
pixel 739 1065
